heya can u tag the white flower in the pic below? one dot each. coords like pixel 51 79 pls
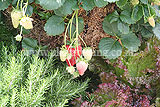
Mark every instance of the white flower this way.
pixel 18 37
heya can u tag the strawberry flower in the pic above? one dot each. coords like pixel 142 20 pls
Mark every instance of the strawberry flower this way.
pixel 18 37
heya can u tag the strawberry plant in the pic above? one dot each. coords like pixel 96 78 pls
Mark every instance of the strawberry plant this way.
pixel 116 39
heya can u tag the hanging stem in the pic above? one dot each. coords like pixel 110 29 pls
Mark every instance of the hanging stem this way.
pixel 69 23
pixel 149 10
pixel 21 4
pixel 77 34
pixel 83 41
pixel 18 4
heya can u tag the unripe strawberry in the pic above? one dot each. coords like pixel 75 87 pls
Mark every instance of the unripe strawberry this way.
pixel 87 53
pixel 151 21
pixel 15 16
pixel 18 38
pixel 81 67
pixel 70 69
pixel 63 55
pixel 134 2
pixel 26 22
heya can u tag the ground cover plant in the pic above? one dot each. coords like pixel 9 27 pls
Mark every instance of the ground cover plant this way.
pixel 60 45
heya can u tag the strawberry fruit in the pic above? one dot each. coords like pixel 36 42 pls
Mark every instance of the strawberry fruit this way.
pixel 134 2
pixel 151 21
pixel 70 69
pixel 81 67
pixel 75 52
pixel 63 55
pixel 26 22
pixel 15 16
pixel 87 53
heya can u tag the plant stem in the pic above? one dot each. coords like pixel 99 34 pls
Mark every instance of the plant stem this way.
pixel 18 4
pixel 149 10
pixel 21 4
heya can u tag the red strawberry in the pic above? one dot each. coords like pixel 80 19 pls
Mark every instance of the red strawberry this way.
pixel 75 52
pixel 81 67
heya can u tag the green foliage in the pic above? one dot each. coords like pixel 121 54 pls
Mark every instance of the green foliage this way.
pixel 4 4
pixel 31 81
pixel 55 25
pixel 156 30
pixel 51 4
pixel 66 9
pixel 141 62
pixel 110 48
pixel 100 3
pixel 131 42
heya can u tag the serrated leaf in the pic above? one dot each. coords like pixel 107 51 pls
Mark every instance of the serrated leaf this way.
pixel 146 32
pixel 121 3
pixel 137 13
pixel 110 48
pixel 111 0
pixel 131 42
pixel 156 30
pixel 100 3
pixel 88 4
pixel 55 25
pixel 113 17
pixel 66 8
pixel 110 29
pixel 4 5
pixel 51 4
pixel 125 16
pixel 123 27
pixel 29 43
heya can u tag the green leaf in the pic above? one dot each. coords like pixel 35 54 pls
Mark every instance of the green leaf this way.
pixel 88 4
pixel 125 16
pixel 29 10
pixel 144 1
pixel 121 3
pixel 100 3
pixel 156 30
pixel 110 48
pixel 51 4
pixel 55 25
pixel 137 13
pixel 157 12
pixel 4 5
pixel 113 17
pixel 29 43
pixel 131 42
pixel 146 31
pixel 123 27
pixel 110 28
pixel 66 8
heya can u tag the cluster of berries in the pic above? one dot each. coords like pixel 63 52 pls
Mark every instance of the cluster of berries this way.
pixel 73 55
pixel 19 17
